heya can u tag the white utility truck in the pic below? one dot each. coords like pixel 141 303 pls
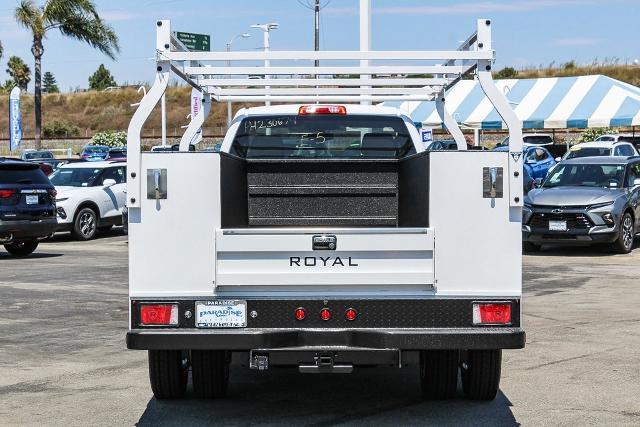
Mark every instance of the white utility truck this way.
pixel 323 235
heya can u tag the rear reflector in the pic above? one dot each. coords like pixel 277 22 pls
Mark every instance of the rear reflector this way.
pixel 350 314
pixel 322 109
pixel 325 314
pixel 491 314
pixel 5 194
pixel 300 313
pixel 158 314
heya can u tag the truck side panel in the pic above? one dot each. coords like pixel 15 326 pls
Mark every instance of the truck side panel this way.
pixel 172 241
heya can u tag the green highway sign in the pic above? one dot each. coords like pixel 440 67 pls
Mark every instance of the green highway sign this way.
pixel 195 42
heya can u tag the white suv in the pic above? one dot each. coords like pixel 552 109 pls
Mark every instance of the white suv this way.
pixel 601 148
pixel 90 196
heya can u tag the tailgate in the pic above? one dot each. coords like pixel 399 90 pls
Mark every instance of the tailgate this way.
pixel 285 257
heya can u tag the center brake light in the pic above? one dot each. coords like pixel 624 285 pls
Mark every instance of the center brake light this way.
pixel 491 314
pixel 159 314
pixel 306 110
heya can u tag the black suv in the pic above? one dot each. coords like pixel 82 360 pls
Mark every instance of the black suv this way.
pixel 27 206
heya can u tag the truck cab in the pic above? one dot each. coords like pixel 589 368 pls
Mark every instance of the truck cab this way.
pixel 324 236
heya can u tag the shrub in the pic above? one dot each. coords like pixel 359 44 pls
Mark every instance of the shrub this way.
pixel 60 128
pixel 110 138
pixel 593 133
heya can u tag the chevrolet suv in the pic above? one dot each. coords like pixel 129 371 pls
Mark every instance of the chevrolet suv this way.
pixel 27 206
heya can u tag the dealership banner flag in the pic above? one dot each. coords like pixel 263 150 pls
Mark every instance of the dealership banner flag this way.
pixel 15 120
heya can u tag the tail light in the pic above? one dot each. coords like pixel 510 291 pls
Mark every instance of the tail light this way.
pixel 52 192
pixel 491 314
pixel 300 314
pixel 350 314
pixel 325 314
pixel 5 194
pixel 159 314
pixel 322 109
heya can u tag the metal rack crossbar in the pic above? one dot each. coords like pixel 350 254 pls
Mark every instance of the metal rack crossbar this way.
pixel 344 76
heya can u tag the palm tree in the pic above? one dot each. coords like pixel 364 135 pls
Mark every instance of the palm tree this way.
pixel 77 19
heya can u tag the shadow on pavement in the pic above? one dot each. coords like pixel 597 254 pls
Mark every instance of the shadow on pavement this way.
pixel 366 397
pixel 67 237
pixel 35 255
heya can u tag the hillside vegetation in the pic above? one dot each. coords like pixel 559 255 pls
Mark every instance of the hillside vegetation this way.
pixel 83 114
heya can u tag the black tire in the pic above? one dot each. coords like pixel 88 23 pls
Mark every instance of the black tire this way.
pixel 626 234
pixel 210 373
pixel 20 249
pixel 530 247
pixel 168 371
pixel 105 228
pixel 481 374
pixel 85 224
pixel 439 373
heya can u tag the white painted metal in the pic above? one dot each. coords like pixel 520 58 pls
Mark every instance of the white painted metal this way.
pixel 478 240
pixel 171 252
pixel 196 123
pixel 453 70
pixel 338 82
pixel 449 122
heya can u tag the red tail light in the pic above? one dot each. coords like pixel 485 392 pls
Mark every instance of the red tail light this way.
pixel 491 314
pixel 300 313
pixel 350 314
pixel 322 109
pixel 325 314
pixel 52 192
pixel 5 194
pixel 158 314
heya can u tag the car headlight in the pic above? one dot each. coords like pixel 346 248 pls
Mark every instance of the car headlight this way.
pixel 600 205
pixel 62 199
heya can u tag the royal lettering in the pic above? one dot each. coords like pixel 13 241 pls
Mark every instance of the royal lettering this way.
pixel 311 261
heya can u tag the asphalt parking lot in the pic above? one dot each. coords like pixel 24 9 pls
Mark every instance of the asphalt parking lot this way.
pixel 63 359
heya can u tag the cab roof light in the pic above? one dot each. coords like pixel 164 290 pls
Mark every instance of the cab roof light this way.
pixel 306 110
pixel 491 314
pixel 159 314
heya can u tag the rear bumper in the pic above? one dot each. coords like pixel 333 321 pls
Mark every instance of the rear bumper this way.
pixel 25 229
pixel 402 339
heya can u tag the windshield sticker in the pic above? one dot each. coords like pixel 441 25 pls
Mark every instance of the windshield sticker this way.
pixel 253 125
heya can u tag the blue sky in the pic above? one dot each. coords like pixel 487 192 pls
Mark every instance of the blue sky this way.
pixel 525 33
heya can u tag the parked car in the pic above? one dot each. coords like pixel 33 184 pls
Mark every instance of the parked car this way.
pixel 601 148
pixel 29 155
pixel 27 206
pixel 538 139
pixel 90 197
pixel 94 153
pixel 628 137
pixel 537 161
pixel 584 201
pixel 125 219
pixel 445 144
pixel 117 153
pixel 174 147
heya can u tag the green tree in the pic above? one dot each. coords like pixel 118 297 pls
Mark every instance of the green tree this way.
pixel 49 83
pixel 1 50
pixel 19 72
pixel 76 19
pixel 506 73
pixel 101 79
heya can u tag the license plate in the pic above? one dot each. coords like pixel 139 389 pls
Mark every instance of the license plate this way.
pixel 32 199
pixel 221 314
pixel 557 225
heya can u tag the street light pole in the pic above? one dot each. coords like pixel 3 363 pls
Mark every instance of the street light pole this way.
pixel 244 36
pixel 266 29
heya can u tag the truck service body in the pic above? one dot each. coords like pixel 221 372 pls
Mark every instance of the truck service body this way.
pixel 323 235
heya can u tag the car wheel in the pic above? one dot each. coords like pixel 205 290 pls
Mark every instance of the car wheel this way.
pixel 210 373
pixel 626 235
pixel 20 249
pixel 481 374
pixel 85 224
pixel 168 371
pixel 530 247
pixel 439 373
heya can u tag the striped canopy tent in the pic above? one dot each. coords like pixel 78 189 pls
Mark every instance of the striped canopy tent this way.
pixel 544 103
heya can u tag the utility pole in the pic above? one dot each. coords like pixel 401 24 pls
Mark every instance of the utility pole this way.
pixel 229 43
pixel 266 29
pixel 317 30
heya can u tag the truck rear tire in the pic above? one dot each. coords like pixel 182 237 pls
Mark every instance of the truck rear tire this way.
pixel 481 374
pixel 210 373
pixel 439 373
pixel 168 371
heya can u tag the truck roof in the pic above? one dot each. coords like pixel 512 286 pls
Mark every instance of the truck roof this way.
pixel 293 109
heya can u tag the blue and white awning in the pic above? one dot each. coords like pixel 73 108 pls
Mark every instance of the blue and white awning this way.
pixel 549 103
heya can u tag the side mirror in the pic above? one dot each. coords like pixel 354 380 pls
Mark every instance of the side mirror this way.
pixel 537 183
pixel 108 183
